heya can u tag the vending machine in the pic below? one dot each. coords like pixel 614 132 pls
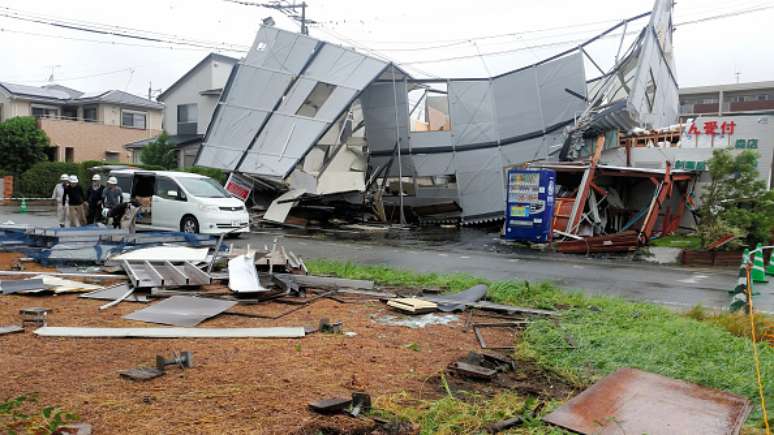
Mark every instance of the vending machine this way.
pixel 529 209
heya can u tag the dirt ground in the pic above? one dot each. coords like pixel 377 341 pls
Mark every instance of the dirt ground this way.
pixel 236 385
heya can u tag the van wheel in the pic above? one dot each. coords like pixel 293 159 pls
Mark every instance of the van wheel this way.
pixel 189 224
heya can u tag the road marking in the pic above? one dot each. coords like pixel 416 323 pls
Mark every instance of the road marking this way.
pixel 464 257
pixel 443 255
pixel 694 279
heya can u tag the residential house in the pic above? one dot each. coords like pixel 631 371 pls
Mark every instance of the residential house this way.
pixel 188 107
pixel 83 126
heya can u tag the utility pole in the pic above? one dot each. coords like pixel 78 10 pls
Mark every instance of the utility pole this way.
pixel 287 8
pixel 51 77
pixel 151 91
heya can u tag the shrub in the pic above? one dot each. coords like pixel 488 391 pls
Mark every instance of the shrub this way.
pixel 22 144
pixel 40 179
pixel 736 200
pixel 160 153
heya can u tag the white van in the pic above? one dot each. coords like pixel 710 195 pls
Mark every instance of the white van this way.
pixel 182 201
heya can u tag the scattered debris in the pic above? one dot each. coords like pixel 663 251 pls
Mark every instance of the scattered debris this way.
pixel 35 316
pixel 330 328
pixel 509 325
pixel 10 329
pixel 482 366
pixel 412 305
pixel 634 401
pixel 415 322
pixel 83 332
pixel 164 253
pixel 144 274
pixel 328 283
pixel 458 301
pixel 60 285
pixel 243 276
pixel 9 287
pixel 330 406
pixel 115 292
pixel 184 360
pixel 505 424
pixel 359 403
pixel 142 373
pixel 183 311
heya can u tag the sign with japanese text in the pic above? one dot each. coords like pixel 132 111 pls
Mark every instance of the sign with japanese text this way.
pixel 712 128
pixel 239 186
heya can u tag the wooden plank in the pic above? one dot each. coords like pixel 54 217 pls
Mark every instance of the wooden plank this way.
pixel 412 305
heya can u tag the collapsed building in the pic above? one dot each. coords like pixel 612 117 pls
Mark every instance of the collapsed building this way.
pixel 308 120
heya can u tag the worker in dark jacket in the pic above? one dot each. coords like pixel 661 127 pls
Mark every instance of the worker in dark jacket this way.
pixel 94 198
pixel 73 197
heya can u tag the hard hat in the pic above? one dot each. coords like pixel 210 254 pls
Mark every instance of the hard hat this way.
pixel 73 179
pixel 96 177
pixel 64 177
pixel 112 180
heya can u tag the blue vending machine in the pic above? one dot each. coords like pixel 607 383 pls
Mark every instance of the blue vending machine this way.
pixel 529 210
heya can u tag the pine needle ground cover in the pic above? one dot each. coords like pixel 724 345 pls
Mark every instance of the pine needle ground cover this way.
pixel 607 333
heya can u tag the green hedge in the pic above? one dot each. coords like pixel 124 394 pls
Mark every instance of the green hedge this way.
pixel 215 174
pixel 40 179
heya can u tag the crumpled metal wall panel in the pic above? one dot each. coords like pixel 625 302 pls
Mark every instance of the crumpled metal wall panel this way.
pixel 428 165
pixel 379 105
pixel 266 91
pixel 517 103
pixel 558 105
pixel 472 112
pixel 480 182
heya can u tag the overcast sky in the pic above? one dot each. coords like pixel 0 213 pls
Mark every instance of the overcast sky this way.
pixel 408 31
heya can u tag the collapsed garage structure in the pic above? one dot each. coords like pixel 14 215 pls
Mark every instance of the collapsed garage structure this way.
pixel 311 122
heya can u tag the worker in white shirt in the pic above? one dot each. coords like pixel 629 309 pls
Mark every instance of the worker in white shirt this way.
pixel 61 207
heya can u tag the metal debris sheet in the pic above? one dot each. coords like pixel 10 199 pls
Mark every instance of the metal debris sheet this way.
pixel 113 293
pixel 182 311
pixel 636 402
pixel 286 332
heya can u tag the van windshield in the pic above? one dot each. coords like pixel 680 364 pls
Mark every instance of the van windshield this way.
pixel 203 187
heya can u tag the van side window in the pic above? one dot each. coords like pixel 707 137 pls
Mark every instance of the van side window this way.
pixel 125 183
pixel 168 189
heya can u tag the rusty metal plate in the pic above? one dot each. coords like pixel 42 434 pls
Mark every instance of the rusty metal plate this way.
pixel 634 402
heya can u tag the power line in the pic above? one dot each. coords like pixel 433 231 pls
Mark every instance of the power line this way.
pixel 105 42
pixel 575 41
pixel 117 31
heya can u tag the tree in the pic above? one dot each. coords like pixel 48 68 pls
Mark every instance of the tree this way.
pixel 736 201
pixel 160 153
pixel 22 144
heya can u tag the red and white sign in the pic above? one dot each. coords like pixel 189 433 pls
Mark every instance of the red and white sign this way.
pixel 712 128
pixel 239 186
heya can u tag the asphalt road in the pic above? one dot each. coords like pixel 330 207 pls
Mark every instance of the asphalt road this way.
pixel 674 286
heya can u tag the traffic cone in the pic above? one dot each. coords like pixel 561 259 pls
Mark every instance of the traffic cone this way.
pixel 770 267
pixel 739 293
pixel 23 206
pixel 758 271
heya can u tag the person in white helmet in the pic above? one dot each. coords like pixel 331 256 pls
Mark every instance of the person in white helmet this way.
pixel 57 195
pixel 94 198
pixel 73 197
pixel 112 198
